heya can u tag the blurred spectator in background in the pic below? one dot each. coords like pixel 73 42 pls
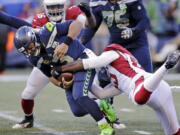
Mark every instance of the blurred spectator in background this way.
pixel 4 29
pixel 164 27
pixel 27 12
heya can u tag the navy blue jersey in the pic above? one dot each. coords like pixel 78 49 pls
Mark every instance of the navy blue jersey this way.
pixel 12 21
pixel 51 35
pixel 122 14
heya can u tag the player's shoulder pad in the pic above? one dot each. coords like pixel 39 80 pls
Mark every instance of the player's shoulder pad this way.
pixel 50 26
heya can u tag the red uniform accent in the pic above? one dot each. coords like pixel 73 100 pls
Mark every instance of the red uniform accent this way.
pixel 124 67
pixel 27 106
pixel 178 133
pixel 71 14
pixel 142 96
pixel 39 20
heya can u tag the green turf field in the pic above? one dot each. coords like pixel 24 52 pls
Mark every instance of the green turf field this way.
pixel 53 116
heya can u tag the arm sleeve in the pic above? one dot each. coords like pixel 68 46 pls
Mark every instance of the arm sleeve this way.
pixel 140 16
pixel 12 21
pixel 104 59
pixel 88 33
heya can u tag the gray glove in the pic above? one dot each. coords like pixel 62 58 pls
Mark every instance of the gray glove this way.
pixel 126 33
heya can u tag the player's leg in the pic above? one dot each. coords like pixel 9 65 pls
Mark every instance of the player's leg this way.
pixel 143 91
pixel 76 109
pixel 161 101
pixel 82 83
pixel 35 83
pixel 102 79
pixel 142 54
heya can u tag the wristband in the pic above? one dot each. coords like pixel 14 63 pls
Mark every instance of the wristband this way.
pixel 68 40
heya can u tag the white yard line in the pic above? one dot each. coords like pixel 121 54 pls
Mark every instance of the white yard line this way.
pixel 141 132
pixel 127 110
pixel 13 78
pixel 39 126
pixel 22 78
pixel 59 111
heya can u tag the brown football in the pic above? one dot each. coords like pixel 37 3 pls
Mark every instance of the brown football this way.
pixel 67 76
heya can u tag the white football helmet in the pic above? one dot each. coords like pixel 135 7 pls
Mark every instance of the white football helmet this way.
pixel 54 9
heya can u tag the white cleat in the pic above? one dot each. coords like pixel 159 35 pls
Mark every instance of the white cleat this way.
pixel 24 124
pixel 118 126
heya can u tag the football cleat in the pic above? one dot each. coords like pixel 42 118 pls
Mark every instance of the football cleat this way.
pixel 106 129
pixel 117 124
pixel 172 60
pixel 108 110
pixel 26 123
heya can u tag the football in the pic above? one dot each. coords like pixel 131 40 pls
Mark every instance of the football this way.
pixel 67 76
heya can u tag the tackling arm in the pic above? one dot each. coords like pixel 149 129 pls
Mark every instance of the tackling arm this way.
pixel 94 62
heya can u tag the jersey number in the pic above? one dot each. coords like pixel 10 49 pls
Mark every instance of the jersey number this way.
pixel 115 16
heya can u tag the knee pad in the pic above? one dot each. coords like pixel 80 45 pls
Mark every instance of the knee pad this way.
pixel 29 93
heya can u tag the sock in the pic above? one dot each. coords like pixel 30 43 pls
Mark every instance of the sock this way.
pixel 29 117
pixel 91 107
pixel 103 120
pixel 97 102
pixel 27 106
pixel 153 81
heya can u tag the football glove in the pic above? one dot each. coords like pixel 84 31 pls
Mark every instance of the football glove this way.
pixel 85 8
pixel 55 72
pixel 126 33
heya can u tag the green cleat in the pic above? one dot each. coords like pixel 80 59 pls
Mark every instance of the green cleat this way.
pixel 108 111
pixel 106 129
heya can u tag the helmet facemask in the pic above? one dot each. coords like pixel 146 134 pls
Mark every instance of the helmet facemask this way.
pixel 55 9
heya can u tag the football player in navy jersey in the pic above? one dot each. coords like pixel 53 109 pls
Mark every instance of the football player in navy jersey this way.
pixel 39 48
pixel 127 22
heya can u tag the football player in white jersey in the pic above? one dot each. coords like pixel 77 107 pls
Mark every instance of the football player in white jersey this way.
pixel 128 77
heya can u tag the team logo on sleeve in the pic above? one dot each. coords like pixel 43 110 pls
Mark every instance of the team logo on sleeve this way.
pixel 49 26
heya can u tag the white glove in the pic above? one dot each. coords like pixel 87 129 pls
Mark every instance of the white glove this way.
pixel 126 33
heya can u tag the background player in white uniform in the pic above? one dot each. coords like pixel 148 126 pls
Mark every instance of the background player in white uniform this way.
pixel 129 77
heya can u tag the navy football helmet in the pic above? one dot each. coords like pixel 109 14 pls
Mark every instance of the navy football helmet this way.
pixel 26 41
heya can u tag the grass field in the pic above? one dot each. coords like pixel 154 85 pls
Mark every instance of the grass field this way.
pixel 53 116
